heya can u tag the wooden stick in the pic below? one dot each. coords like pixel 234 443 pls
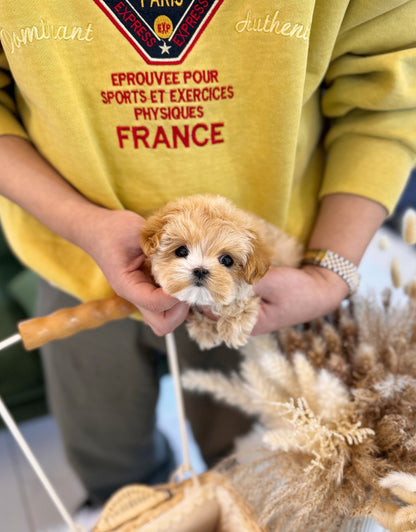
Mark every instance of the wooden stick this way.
pixel 69 321
pixel 21 442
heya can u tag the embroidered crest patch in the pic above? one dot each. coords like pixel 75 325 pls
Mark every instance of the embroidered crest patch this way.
pixel 162 31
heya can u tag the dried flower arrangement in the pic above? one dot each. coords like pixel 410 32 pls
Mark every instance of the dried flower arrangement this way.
pixel 409 227
pixel 336 433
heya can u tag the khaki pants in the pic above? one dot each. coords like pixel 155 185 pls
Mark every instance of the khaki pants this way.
pixel 102 389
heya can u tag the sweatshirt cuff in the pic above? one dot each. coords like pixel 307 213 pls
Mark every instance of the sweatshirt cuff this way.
pixel 370 167
pixel 10 125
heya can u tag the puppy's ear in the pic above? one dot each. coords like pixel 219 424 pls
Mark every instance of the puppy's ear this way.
pixel 151 233
pixel 258 262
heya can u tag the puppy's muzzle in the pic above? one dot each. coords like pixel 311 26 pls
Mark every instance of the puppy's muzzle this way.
pixel 199 275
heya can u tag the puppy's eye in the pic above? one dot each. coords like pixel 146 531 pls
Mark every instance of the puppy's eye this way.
pixel 226 261
pixel 182 252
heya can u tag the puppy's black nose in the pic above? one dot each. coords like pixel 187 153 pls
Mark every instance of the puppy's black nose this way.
pixel 200 273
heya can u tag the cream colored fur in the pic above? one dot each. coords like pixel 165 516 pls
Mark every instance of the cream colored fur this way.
pixel 231 249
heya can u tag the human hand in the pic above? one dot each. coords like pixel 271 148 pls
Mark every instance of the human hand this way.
pixel 114 244
pixel 290 296
pixel 345 224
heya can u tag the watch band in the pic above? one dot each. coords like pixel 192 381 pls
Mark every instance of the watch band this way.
pixel 334 262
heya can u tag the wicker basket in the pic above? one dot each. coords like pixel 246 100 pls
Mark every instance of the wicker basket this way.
pixel 207 503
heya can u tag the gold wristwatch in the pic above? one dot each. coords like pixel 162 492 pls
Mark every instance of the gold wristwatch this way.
pixel 334 262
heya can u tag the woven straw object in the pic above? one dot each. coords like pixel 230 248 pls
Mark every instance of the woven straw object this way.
pixel 206 504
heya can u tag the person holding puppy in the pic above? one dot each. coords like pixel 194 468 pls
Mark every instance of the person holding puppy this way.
pixel 302 114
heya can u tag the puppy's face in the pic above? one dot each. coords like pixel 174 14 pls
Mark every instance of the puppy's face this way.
pixel 203 250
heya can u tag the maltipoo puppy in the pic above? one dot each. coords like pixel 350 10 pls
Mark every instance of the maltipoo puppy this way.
pixel 207 252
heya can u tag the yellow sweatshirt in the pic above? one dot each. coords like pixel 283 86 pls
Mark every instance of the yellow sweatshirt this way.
pixel 272 103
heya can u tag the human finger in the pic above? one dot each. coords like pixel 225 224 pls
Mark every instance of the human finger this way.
pixel 140 290
pixel 165 322
pixel 206 310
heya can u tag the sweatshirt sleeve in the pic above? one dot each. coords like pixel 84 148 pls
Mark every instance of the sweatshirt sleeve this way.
pixel 370 102
pixel 9 121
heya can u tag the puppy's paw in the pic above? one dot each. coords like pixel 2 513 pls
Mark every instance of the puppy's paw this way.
pixel 235 330
pixel 232 334
pixel 203 331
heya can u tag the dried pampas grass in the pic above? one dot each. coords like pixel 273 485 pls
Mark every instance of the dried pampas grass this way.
pixel 396 275
pixel 409 227
pixel 336 433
